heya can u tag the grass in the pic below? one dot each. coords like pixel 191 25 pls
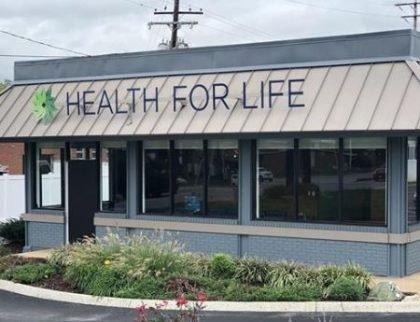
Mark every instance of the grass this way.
pixel 139 267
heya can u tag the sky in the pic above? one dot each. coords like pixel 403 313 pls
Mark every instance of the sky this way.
pixel 113 26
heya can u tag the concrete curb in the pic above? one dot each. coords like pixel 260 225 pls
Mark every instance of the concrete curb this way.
pixel 292 307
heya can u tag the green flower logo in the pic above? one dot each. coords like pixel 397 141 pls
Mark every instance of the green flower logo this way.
pixel 44 105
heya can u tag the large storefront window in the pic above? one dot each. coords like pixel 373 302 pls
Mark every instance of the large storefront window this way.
pixel 156 183
pixel 364 180
pixel 188 172
pixel 275 179
pixel 322 180
pixel 113 177
pixel 412 181
pixel 191 177
pixel 318 180
pixel 223 180
pixel 50 176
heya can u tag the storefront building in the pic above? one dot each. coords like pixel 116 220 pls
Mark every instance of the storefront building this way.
pixel 301 150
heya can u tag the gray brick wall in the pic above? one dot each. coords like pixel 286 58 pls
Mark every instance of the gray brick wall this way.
pixel 44 235
pixel 101 231
pixel 373 257
pixel 413 257
pixel 197 242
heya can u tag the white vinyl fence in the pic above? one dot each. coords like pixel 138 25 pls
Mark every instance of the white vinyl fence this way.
pixel 12 196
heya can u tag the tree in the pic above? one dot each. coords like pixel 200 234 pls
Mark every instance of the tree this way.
pixel 4 84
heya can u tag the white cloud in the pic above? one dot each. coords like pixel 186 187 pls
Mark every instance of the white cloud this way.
pixel 105 26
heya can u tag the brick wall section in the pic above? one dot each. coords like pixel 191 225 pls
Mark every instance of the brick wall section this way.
pixel 11 155
pixel 195 242
pixel 103 231
pixel 45 235
pixel 413 257
pixel 373 257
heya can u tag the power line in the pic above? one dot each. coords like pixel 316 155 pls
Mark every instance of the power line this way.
pixel 229 21
pixel 41 42
pixel 141 4
pixel 355 12
pixel 226 32
pixel 32 56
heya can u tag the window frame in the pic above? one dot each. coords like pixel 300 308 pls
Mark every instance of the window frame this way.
pixel 37 203
pixel 172 181
pixel 111 144
pixel 296 173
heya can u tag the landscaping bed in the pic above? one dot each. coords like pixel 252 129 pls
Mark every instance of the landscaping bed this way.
pixel 143 268
pixel 12 237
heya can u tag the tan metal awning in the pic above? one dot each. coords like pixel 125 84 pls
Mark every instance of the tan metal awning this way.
pixel 373 97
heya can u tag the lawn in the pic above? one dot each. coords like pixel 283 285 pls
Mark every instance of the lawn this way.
pixel 143 268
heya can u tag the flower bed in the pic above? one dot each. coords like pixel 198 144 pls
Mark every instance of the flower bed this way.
pixel 139 267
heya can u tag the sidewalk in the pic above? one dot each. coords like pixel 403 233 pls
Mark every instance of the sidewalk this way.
pixel 38 254
pixel 407 284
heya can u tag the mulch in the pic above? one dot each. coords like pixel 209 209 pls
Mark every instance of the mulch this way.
pixel 56 282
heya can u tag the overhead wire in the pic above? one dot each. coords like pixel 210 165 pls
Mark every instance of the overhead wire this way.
pixel 12 34
pixel 229 21
pixel 32 56
pixel 343 10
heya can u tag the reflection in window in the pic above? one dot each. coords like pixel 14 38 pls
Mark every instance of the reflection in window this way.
pixel 188 176
pixel 113 177
pixel 412 188
pixel 157 177
pixel 364 180
pixel 223 157
pixel 275 180
pixel 318 180
pixel 50 176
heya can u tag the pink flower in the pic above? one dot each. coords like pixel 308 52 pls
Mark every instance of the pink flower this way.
pixel 202 296
pixel 181 301
pixel 142 309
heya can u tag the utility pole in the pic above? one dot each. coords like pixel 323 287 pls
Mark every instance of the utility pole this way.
pixel 175 24
pixel 414 5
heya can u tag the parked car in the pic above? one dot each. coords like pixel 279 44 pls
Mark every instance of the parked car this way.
pixel 265 175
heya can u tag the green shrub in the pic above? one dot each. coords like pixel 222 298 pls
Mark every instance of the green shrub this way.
pixel 10 261
pixel 29 273
pixel 346 289
pixel 252 271
pixel 238 292
pixel 298 292
pixel 360 274
pixel 222 266
pixel 4 251
pixel 95 280
pixel 13 230
pixel 286 274
pixel 328 274
pixel 198 264
pixel 147 288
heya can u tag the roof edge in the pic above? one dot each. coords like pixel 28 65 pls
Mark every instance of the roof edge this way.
pixel 317 50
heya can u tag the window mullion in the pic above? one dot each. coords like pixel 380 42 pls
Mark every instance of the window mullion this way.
pixel 206 177
pixel 340 179
pixel 172 178
pixel 296 177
